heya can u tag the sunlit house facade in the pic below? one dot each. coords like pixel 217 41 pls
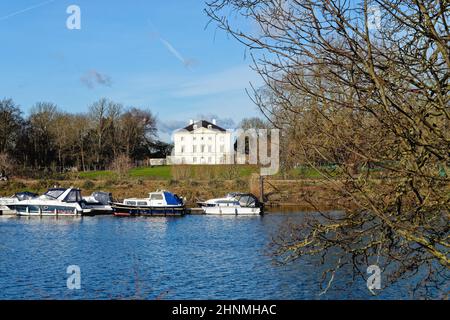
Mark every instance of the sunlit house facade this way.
pixel 202 142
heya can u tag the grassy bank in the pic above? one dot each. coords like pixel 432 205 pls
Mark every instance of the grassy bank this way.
pixel 197 172
pixel 195 183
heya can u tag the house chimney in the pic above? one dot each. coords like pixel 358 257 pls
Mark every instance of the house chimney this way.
pixel 191 121
pixel 214 121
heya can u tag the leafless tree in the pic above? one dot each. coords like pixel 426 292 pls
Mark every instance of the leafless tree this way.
pixel 121 165
pixel 358 95
pixel 102 114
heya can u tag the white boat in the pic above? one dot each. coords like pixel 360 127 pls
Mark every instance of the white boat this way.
pixel 55 202
pixel 159 203
pixel 234 203
pixel 14 198
pixel 99 202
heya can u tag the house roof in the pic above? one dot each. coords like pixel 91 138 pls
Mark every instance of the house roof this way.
pixel 204 124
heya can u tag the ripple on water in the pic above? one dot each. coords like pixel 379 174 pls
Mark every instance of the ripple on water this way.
pixel 194 257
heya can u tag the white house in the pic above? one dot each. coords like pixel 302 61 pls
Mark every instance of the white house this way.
pixel 202 142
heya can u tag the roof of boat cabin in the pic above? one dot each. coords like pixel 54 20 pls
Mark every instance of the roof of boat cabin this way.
pixel 62 189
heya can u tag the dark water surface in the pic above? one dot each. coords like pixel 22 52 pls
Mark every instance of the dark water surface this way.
pixel 193 257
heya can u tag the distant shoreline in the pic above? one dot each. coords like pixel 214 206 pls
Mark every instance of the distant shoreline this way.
pixel 284 194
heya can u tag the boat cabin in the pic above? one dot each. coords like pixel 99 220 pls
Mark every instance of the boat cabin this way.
pixel 63 194
pixel 155 199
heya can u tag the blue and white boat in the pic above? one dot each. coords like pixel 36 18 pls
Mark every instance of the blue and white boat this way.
pixel 55 202
pixel 20 196
pixel 159 203
pixel 59 202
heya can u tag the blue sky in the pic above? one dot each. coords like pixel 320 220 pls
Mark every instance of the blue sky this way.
pixel 150 54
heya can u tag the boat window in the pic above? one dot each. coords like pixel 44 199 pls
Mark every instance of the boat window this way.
pixel 54 193
pixel 227 202
pixel 33 209
pixel 142 203
pixel 73 196
pixel 247 200
pixel 131 203
pixel 156 196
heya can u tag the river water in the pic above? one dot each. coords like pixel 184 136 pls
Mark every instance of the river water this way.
pixel 192 257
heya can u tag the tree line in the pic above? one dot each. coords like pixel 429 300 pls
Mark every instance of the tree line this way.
pixel 50 139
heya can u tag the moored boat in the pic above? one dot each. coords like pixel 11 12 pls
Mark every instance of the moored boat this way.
pixel 14 198
pixel 99 202
pixel 159 203
pixel 55 202
pixel 234 203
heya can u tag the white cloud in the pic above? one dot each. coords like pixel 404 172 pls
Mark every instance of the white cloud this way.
pixel 233 79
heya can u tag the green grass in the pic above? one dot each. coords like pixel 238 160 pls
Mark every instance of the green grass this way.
pixel 246 171
pixel 164 172
pixel 97 174
pixel 307 172
pixel 161 172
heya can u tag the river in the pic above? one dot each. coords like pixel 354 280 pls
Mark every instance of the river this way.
pixel 192 257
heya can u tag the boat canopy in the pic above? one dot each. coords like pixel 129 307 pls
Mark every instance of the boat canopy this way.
pixel 103 197
pixel 63 194
pixel 247 200
pixel 25 195
pixel 73 195
pixel 54 193
pixel 172 199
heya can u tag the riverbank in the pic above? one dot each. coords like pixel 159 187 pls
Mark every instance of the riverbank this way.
pixel 298 193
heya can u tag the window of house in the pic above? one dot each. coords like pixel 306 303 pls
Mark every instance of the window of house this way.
pixel 194 159
pixel 194 138
pixel 222 139
pixel 209 160
pixel 222 148
pixel 182 149
pixel 203 148
pixel 209 148
pixel 194 148
pixel 210 138
pixel 182 139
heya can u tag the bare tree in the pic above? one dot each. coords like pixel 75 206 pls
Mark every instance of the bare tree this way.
pixel 6 164
pixel 359 95
pixel 102 114
pixel 10 124
pixel 121 165
pixel 42 120
pixel 138 130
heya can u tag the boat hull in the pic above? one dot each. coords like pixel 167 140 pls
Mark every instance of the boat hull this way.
pixel 121 210
pixel 47 211
pixel 232 210
pixel 100 211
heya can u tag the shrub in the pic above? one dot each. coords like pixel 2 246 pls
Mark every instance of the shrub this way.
pixel 88 184
pixel 121 165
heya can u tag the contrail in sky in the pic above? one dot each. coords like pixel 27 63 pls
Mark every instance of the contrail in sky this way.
pixel 186 62
pixel 26 9
pixel 173 50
